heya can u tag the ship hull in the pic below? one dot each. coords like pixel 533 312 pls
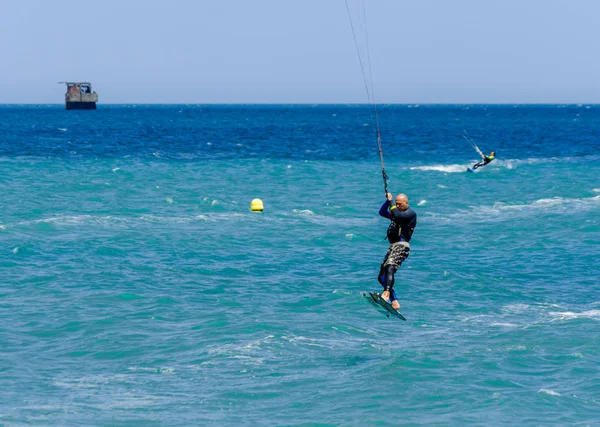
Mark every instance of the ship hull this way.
pixel 80 105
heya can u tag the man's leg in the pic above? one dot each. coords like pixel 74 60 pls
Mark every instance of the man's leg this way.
pixel 382 279
pixel 399 253
pixel 389 282
pixel 395 302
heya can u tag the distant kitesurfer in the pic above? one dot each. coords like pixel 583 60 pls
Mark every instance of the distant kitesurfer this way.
pixel 486 160
pixel 403 223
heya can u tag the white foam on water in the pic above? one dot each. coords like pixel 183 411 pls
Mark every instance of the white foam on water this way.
pixel 165 219
pixel 548 391
pixel 501 210
pixel 132 402
pixel 422 202
pixel 64 384
pixel 570 315
pixel 502 163
pixel 246 351
pixel 442 168
pixel 88 381
pixel 542 160
pixel 116 169
pixel 257 343
pixel 141 369
pixel 518 347
pixel 166 371
pixel 504 325
pixel 77 220
pixel 313 342
pixel 303 211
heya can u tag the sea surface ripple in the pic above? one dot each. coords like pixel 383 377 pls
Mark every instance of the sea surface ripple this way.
pixel 138 288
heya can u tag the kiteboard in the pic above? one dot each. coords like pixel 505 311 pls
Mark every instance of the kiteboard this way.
pixel 470 170
pixel 375 299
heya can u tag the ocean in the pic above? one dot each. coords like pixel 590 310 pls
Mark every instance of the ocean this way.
pixel 139 289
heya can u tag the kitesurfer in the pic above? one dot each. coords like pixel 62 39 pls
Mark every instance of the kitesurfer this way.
pixel 486 160
pixel 403 223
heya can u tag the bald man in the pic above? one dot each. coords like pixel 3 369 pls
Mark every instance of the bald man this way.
pixel 403 223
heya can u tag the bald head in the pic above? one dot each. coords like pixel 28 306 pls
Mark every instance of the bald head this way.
pixel 402 202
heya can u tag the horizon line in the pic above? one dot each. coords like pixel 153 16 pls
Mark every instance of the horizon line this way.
pixel 315 103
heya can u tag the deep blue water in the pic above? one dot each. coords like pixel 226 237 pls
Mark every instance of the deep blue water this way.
pixel 138 288
pixel 320 132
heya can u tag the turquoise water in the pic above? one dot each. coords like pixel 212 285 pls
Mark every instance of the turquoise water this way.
pixel 138 288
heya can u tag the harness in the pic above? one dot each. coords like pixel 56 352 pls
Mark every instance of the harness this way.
pixel 392 229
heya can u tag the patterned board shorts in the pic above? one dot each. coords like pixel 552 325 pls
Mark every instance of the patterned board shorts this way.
pixel 397 253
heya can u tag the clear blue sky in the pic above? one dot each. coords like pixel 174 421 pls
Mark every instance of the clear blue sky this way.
pixel 301 51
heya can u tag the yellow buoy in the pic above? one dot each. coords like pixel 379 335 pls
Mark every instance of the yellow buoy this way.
pixel 256 205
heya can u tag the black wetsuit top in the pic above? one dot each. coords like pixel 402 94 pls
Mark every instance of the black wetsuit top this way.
pixel 403 223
